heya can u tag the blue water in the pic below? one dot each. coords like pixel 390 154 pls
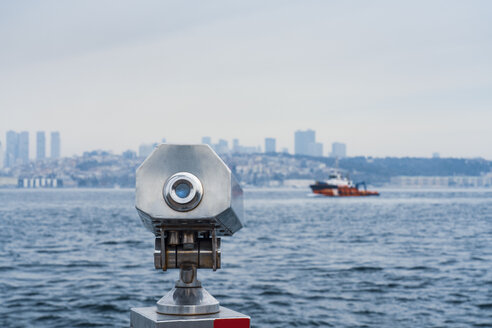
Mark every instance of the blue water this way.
pixel 81 258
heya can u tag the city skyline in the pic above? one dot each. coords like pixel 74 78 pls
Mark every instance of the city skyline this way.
pixel 70 150
pixel 19 148
pixel 362 72
pixel 310 147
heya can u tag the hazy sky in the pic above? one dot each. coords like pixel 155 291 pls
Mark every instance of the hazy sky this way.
pixel 389 78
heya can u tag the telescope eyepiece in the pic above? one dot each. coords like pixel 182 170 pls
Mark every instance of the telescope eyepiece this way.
pixel 183 191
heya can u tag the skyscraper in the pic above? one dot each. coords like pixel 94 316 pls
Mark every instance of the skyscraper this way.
pixel 40 145
pixel 236 148
pixel 145 150
pixel 302 140
pixel 1 155
pixel 24 147
pixel 55 145
pixel 338 150
pixel 222 147
pixel 270 145
pixel 12 148
pixel 207 141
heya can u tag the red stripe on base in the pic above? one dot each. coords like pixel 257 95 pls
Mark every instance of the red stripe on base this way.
pixel 231 323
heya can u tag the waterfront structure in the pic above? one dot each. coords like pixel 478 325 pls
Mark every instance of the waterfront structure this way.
pixel 104 169
pixel 442 181
pixel 302 140
pixel 55 145
pixel 338 150
pixel 436 155
pixel 40 145
pixel 39 182
pixel 270 145
pixel 24 147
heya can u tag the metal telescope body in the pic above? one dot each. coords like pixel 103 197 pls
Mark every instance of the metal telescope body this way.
pixel 188 198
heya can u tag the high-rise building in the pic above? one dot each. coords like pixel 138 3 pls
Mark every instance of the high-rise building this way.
pixel 144 150
pixel 163 140
pixel 12 148
pixel 1 155
pixel 40 145
pixel 24 147
pixel 236 148
pixel 270 145
pixel 338 150
pixel 302 139
pixel 222 147
pixel 55 145
pixel 129 154
pixel 207 141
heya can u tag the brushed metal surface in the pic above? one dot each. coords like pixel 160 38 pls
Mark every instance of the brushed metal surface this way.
pixel 148 317
pixel 221 204
pixel 186 301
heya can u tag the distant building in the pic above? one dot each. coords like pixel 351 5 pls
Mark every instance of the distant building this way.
pixel 55 145
pixel 338 150
pixel 251 149
pixel 40 145
pixel 285 150
pixel 207 141
pixel 222 147
pixel 12 149
pixel 24 147
pixel 236 148
pixel 436 155
pixel 302 140
pixel 305 144
pixel 1 155
pixel 144 150
pixel 163 140
pixel 442 181
pixel 129 154
pixel 270 145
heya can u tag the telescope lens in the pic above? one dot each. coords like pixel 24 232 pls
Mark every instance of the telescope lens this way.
pixel 182 190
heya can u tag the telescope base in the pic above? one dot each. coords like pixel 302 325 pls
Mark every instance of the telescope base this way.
pixel 148 317
pixel 188 301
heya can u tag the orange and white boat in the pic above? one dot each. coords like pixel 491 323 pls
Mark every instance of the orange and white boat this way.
pixel 339 185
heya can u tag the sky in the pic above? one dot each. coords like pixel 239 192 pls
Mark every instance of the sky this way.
pixel 388 78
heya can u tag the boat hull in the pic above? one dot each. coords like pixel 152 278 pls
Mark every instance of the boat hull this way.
pixel 341 191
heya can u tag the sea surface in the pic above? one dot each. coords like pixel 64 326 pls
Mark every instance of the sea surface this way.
pixel 409 258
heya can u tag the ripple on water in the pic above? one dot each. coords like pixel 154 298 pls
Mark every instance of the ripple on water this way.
pixel 81 258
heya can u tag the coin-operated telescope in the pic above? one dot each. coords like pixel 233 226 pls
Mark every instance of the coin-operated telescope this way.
pixel 188 198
